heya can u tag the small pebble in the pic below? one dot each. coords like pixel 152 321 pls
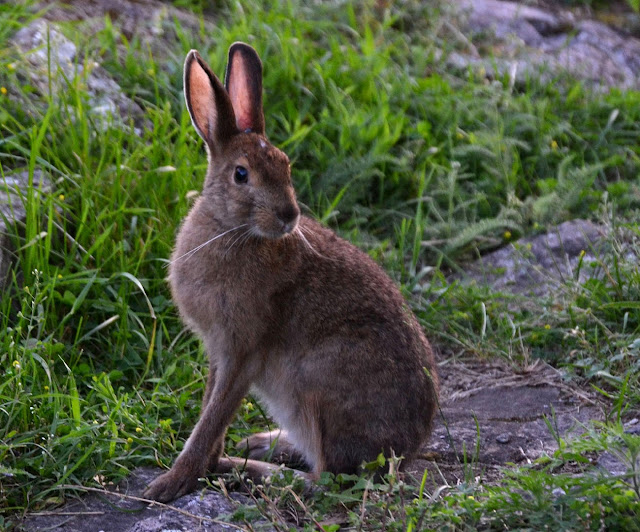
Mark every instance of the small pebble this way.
pixel 633 427
pixel 505 437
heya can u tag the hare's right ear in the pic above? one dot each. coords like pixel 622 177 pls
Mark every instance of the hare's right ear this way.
pixel 208 102
pixel 243 81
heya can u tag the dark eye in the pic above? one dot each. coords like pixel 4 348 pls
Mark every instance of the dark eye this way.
pixel 241 175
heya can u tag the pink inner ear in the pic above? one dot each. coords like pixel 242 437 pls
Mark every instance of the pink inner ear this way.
pixel 240 94
pixel 202 102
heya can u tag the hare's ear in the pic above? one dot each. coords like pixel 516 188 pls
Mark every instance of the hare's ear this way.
pixel 243 81
pixel 208 102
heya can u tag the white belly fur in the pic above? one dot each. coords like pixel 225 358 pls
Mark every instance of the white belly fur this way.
pixel 292 413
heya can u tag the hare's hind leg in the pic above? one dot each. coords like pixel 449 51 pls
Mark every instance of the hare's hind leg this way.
pixel 275 446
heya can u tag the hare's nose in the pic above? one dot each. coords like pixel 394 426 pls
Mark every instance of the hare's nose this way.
pixel 288 214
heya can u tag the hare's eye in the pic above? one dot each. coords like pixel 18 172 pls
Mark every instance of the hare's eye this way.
pixel 241 175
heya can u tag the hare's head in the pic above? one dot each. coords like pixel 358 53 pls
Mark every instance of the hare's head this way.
pixel 248 180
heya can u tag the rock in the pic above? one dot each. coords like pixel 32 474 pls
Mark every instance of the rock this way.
pixel 13 194
pixel 558 492
pixel 632 426
pixel 536 265
pixel 106 99
pixel 133 17
pixel 531 42
pixel 113 511
pixel 492 416
pixel 612 465
pixel 510 18
pixel 152 22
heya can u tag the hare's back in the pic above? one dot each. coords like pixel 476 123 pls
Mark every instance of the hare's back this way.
pixel 356 325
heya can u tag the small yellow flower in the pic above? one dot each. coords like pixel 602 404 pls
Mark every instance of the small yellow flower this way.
pixel 46 388
pixel 582 253
pixel 129 440
pixel 507 235
pixel 150 71
pixel 16 364
pixel 59 276
pixel 61 197
pixel 554 145
pixel 11 66
pixel 3 90
pixel 95 421
pixel 547 326
pixel 138 429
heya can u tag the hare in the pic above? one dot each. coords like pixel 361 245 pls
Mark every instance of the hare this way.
pixel 285 308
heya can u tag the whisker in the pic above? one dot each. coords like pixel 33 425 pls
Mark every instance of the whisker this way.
pixel 189 254
pixel 235 241
pixel 247 236
pixel 306 229
pixel 306 242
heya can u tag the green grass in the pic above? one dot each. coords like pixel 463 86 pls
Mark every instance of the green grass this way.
pixel 421 166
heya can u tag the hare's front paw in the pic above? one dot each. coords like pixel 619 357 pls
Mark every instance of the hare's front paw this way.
pixel 171 485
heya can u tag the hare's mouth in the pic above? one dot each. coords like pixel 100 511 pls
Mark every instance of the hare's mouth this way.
pixel 278 223
pixel 277 229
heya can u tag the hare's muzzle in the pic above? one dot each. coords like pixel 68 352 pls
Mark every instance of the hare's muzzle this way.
pixel 288 217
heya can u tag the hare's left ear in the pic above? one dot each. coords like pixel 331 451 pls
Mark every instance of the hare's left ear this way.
pixel 243 81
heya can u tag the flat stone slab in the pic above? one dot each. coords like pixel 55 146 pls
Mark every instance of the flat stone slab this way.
pixel 120 510
pixel 492 417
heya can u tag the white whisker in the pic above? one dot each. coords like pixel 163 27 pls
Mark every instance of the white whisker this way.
pixel 306 242
pixel 189 254
pixel 235 241
pixel 247 236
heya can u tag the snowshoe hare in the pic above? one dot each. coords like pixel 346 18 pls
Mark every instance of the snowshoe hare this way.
pixel 285 308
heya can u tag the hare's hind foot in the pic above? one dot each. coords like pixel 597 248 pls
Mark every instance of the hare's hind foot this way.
pixel 257 470
pixel 275 446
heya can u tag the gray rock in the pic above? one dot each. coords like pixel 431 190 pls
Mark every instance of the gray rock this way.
pixel 536 265
pixel 152 22
pixel 492 416
pixel 537 43
pixel 558 492
pixel 13 194
pixel 106 100
pixel 117 510
pixel 612 464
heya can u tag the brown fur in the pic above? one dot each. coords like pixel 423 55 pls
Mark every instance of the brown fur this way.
pixel 287 309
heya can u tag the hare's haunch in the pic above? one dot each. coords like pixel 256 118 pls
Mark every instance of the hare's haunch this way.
pixel 285 308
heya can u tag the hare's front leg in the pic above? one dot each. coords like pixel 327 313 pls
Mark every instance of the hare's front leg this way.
pixel 224 398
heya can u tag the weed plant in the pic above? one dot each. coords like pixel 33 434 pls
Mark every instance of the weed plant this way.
pixel 422 166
